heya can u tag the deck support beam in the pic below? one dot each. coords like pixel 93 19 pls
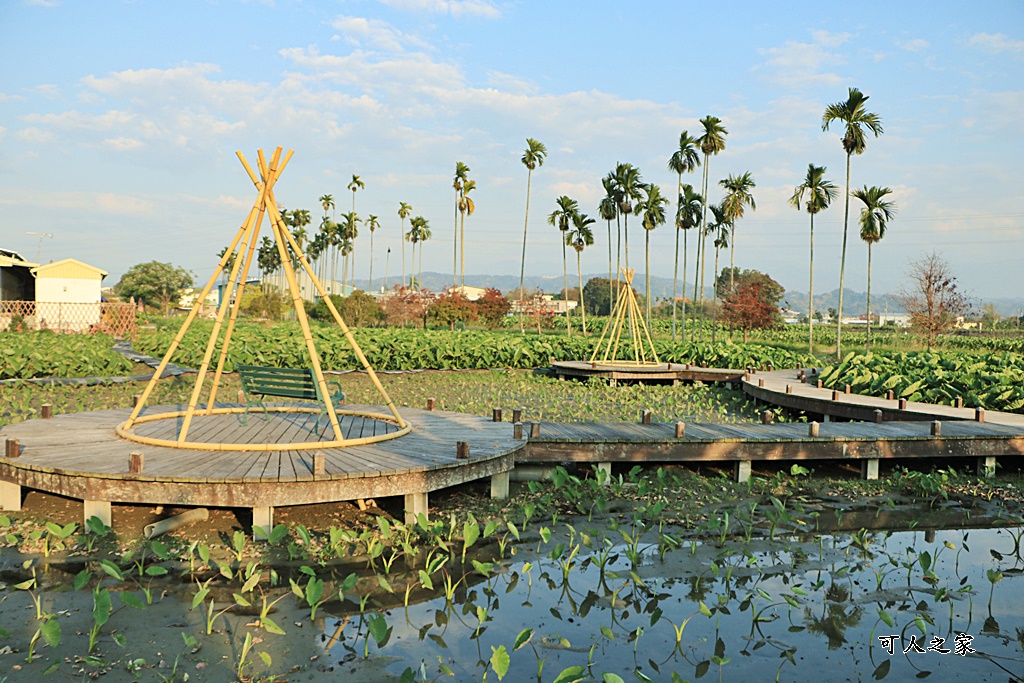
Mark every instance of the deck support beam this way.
pixel 415 503
pixel 262 518
pixel 869 469
pixel 742 471
pixel 825 418
pixel 97 508
pixel 499 486
pixel 10 496
pixel 987 466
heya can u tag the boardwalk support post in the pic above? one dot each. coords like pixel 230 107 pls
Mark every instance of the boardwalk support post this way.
pixel 97 508
pixel 499 485
pixel 13 448
pixel 534 429
pixel 517 430
pixel 869 469
pixel 680 430
pixel 10 496
pixel 645 417
pixel 415 504
pixel 136 462
pixel 604 472
pixel 878 415
pixel 262 519
pixel 936 428
pixel 812 430
pixel 987 466
pixel 742 471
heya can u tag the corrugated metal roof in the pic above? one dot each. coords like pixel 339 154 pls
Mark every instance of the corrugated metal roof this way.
pixel 69 268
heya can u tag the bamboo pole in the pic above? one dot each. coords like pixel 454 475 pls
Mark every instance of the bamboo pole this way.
pixel 240 291
pixel 280 233
pixel 188 321
pixel 222 310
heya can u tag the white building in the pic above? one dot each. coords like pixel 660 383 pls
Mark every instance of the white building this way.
pixel 68 295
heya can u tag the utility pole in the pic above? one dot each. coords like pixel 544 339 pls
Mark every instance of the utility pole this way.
pixel 39 252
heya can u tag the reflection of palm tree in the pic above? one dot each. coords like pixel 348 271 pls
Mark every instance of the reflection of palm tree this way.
pixel 853 113
pixel 820 193
pixel 683 160
pixel 578 238
pixel 404 211
pixel 562 218
pixel 836 617
pixel 532 158
pixel 877 212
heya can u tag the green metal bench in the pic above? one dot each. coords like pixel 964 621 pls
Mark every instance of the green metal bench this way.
pixel 297 383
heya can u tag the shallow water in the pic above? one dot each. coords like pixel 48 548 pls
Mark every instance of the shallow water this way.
pixel 796 608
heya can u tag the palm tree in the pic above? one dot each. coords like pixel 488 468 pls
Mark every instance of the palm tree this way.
pixel 372 222
pixel 737 197
pixel 853 113
pixel 356 184
pixel 349 232
pixel 608 209
pixel 404 211
pixel 628 185
pixel 466 207
pixel 461 176
pixel 683 160
pixel 327 226
pixel 578 238
pixel 877 212
pixel 652 210
pixel 424 234
pixel 562 218
pixel 720 229
pixel 688 215
pixel 532 158
pixel 820 193
pixel 711 142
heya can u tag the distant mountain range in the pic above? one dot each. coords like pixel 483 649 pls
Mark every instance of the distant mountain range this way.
pixel 661 288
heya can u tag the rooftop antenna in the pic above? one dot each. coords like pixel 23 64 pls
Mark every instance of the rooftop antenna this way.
pixel 39 252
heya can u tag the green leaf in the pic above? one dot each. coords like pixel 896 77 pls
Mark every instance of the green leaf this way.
pixel 523 638
pixel 155 570
pixel 132 600
pixel 50 630
pixel 270 627
pixel 571 675
pixel 611 678
pixel 704 609
pixel 500 661
pixel 112 569
pixel 886 617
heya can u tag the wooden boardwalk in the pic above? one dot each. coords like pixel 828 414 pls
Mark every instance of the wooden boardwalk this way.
pixel 79 456
pixel 663 372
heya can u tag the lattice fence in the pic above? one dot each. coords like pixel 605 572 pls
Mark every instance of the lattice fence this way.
pixel 117 319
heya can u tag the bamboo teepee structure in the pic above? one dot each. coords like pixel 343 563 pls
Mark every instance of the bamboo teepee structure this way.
pixel 240 254
pixel 626 314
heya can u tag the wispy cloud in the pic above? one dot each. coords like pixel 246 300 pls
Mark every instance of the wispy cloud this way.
pixel 997 43
pixel 456 8
pixel 374 33
pixel 914 45
pixel 797 64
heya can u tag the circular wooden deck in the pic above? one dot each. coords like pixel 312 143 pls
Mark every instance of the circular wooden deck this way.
pixel 78 455
pixel 661 372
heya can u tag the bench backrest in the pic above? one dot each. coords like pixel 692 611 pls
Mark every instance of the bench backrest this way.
pixel 286 382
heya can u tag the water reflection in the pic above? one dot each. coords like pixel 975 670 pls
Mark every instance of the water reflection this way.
pixel 742 610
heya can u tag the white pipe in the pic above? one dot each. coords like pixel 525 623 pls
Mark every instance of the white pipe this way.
pixel 172 523
pixel 531 473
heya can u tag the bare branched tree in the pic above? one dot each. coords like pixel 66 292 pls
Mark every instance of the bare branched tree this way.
pixel 933 300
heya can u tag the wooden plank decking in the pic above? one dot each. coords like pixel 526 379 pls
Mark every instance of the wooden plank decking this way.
pixel 664 372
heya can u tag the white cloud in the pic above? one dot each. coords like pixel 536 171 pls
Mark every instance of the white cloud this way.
pixel 798 64
pixel 457 8
pixel 123 144
pixel 33 135
pixel 47 90
pixel 915 45
pixel 374 33
pixel 996 43
pixel 123 204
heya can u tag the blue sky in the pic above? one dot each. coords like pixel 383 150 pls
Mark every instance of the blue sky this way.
pixel 119 122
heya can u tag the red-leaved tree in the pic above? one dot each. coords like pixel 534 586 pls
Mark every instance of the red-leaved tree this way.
pixel 749 308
